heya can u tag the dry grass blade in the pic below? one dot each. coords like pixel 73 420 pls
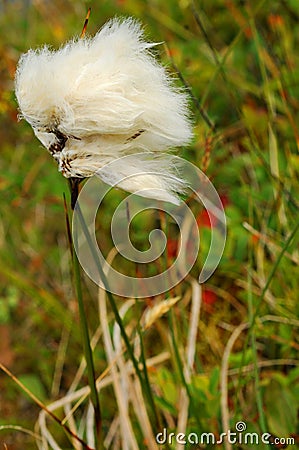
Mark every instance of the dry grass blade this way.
pixel 127 436
pixel 152 314
pixel 43 407
pixel 85 24
pixel 190 355
pixel 224 382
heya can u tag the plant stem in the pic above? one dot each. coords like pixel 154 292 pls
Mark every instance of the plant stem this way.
pixel 83 322
pixel 88 353
pixel 118 319
pixel 193 408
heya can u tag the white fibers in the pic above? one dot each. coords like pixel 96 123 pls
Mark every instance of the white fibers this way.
pixel 97 99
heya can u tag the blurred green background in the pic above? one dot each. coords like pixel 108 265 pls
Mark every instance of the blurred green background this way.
pixel 240 62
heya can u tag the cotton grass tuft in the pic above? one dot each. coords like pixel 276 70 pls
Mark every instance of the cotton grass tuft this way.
pixel 99 98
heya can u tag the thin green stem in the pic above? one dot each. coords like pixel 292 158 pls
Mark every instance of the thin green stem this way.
pixel 118 319
pixel 258 394
pixel 146 379
pixel 193 409
pixel 88 353
pixel 252 321
pixel 273 271
pixel 85 334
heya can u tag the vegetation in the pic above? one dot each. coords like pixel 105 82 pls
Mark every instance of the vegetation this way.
pixel 207 356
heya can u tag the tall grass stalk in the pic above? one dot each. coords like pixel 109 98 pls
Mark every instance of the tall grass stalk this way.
pixel 43 407
pixel 273 271
pixel 88 354
pixel 252 334
pixel 118 319
pixel 180 367
pixel 85 337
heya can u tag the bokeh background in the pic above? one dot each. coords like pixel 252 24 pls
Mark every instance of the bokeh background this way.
pixel 239 61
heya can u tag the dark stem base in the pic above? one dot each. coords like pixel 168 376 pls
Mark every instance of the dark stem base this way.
pixel 74 187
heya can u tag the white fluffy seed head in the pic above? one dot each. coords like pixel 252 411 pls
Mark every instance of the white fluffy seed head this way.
pixel 97 99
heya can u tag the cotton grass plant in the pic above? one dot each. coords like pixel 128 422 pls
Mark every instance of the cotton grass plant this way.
pixel 89 103
pixel 241 327
pixel 97 99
